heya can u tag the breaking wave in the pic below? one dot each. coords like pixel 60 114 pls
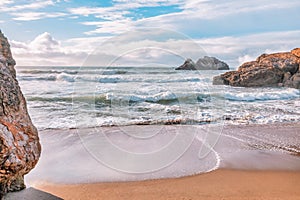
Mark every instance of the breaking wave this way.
pixel 263 96
pixel 106 78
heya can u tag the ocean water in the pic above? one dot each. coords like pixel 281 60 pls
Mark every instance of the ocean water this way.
pixel 81 97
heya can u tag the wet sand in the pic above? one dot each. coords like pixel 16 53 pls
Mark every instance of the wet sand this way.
pixel 219 184
pixel 257 162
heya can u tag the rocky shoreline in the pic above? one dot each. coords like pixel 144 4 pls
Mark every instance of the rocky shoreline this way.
pixel 268 70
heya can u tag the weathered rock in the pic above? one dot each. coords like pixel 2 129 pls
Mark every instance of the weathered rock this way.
pixel 296 52
pixel 211 63
pixel 205 63
pixel 20 147
pixel 287 62
pixel 286 76
pixel 278 69
pixel 187 65
pixel 294 81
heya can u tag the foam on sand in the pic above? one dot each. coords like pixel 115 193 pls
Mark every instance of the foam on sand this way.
pixel 154 152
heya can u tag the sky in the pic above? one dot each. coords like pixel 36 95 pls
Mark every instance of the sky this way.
pixel 99 32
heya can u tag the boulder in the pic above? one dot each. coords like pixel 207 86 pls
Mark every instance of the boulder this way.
pixel 205 63
pixel 187 65
pixel 20 148
pixel 211 63
pixel 294 81
pixel 278 69
pixel 296 52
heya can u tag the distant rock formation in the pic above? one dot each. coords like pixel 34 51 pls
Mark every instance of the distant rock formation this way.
pixel 20 148
pixel 205 63
pixel 278 69
pixel 187 65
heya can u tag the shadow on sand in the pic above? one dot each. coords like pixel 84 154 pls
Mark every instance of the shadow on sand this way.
pixel 30 194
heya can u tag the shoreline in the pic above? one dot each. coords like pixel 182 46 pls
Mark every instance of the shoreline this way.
pixel 257 162
pixel 65 153
pixel 218 184
pixel 225 124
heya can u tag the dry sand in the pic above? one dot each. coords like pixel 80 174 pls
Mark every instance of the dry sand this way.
pixel 219 184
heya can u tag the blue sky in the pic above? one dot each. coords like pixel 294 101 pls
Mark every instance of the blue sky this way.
pixel 66 32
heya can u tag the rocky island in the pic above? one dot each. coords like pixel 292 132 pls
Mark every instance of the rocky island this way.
pixel 268 70
pixel 20 148
pixel 205 63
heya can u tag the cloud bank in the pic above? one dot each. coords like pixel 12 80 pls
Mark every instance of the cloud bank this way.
pixel 136 49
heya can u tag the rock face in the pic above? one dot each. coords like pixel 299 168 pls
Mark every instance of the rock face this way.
pixel 205 63
pixel 187 65
pixel 211 63
pixel 278 69
pixel 20 148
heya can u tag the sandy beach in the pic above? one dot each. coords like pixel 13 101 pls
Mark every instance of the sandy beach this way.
pixel 264 165
pixel 220 184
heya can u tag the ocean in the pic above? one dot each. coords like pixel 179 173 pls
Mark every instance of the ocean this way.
pixel 82 97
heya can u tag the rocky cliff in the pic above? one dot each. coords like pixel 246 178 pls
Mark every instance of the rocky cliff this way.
pixel 20 148
pixel 205 63
pixel 278 69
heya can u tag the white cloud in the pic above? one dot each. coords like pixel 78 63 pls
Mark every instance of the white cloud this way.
pixel 150 2
pixel 114 20
pixel 208 9
pixel 27 11
pixel 204 11
pixel 134 48
pixel 45 50
pixel 119 9
pixel 236 50
pixel 29 16
pixel 133 4
pixel 44 43
pixel 86 11
pixel 30 6
pixel 3 2
pixel 115 27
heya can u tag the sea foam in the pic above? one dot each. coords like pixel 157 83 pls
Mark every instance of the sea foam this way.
pixel 133 153
pixel 287 93
pixel 76 157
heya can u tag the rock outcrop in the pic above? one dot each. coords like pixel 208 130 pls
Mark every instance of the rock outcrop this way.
pixel 278 69
pixel 20 148
pixel 187 65
pixel 205 63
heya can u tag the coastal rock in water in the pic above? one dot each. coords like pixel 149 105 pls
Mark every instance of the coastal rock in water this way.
pixel 205 63
pixel 294 81
pixel 20 148
pixel 187 65
pixel 278 69
pixel 211 63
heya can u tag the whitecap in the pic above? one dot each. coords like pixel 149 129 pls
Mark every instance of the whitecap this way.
pixel 263 96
